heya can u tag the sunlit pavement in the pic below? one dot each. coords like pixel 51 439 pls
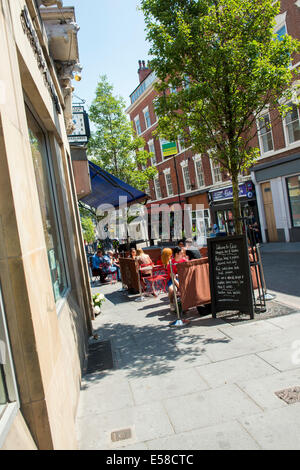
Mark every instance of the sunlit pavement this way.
pixel 210 385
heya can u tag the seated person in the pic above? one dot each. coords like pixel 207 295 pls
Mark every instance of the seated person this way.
pixel 178 258
pixel 114 265
pixel 132 253
pixel 192 253
pixel 98 265
pixel 142 258
pixel 166 255
pixel 181 244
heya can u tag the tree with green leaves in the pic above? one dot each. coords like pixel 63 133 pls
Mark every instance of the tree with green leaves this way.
pixel 228 66
pixel 113 146
pixel 88 229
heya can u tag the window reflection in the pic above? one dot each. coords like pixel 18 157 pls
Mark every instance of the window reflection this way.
pixel 48 207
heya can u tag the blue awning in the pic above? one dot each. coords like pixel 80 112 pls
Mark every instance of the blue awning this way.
pixel 107 189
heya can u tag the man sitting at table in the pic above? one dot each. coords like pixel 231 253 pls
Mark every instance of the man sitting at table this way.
pixel 98 266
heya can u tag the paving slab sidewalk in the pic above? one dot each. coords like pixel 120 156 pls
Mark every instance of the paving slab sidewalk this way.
pixel 210 385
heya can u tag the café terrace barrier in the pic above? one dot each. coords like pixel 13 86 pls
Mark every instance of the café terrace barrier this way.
pixel 193 277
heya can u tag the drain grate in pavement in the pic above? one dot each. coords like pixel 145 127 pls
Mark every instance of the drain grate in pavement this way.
pixel 289 395
pixel 122 435
pixel 100 357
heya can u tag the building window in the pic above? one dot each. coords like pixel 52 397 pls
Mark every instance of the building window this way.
pixel 152 152
pixel 199 172
pixel 147 117
pixel 181 145
pixel 9 403
pixel 281 32
pixel 138 125
pixel 265 133
pixel 49 209
pixel 186 176
pixel 157 188
pixel 292 124
pixel 293 187
pixel 201 224
pixel 169 184
pixel 216 172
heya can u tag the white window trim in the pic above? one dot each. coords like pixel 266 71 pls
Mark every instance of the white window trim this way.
pixel 151 142
pixel 289 145
pixel 156 180
pixel 145 110
pixel 213 173
pixel 185 164
pixel 166 172
pixel 137 118
pixel 261 147
pixel 280 21
pixel 196 159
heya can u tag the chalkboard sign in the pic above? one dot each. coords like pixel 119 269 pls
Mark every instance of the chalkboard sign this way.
pixel 229 270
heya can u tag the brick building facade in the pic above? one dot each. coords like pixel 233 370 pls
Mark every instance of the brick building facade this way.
pixel 187 178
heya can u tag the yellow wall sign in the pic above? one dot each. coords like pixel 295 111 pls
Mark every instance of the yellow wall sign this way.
pixel 169 149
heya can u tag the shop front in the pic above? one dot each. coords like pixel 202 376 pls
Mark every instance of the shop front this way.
pixel 201 217
pixel 221 202
pixel 278 196
pixel 166 220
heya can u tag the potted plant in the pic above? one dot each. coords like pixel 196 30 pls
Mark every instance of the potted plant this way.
pixel 98 299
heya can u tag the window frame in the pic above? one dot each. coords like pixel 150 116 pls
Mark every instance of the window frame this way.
pixel 152 158
pixel 56 205
pixel 198 158
pixel 146 110
pixel 285 126
pixel 260 136
pixel 167 172
pixel 213 173
pixel 12 406
pixel 185 165
pixel 289 200
pixel 138 127
pixel 156 183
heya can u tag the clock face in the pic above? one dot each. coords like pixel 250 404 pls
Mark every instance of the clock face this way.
pixel 78 121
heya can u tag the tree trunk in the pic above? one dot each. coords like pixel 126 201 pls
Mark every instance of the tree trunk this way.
pixel 236 205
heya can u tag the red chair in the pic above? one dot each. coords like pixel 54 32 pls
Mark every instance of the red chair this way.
pixel 156 283
pixel 145 274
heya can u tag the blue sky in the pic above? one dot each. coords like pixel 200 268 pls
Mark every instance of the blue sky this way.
pixel 111 41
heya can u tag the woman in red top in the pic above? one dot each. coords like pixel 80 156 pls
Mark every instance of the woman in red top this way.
pixel 178 258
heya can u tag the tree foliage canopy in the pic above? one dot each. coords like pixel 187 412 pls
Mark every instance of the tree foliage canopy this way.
pixel 113 145
pixel 227 65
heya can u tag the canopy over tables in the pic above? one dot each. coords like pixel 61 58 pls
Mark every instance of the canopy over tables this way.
pixel 107 189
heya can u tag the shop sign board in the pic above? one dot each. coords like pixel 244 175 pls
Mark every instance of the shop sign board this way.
pixel 246 189
pixel 229 270
pixel 81 133
pixel 169 149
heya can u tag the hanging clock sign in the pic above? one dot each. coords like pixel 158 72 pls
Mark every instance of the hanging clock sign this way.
pixel 81 133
